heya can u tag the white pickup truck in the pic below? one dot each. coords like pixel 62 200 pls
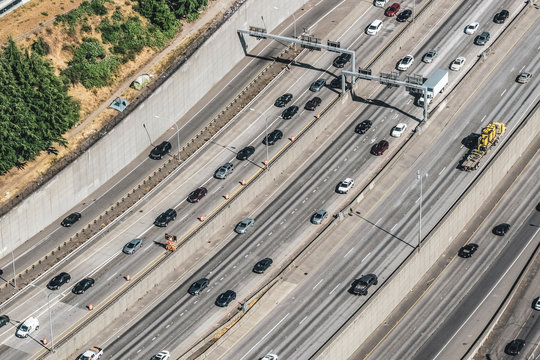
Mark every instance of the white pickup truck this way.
pixel 91 354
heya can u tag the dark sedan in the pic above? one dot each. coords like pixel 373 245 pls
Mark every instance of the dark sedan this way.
pixel 225 298
pixel 404 15
pixel 58 280
pixel 289 112
pixel 4 319
pixel 71 219
pixel 379 148
pixel 363 127
pixel 482 39
pixel 198 286
pixel 197 195
pixel 283 100
pixel 313 103
pixel 271 138
pixel 341 60
pixel 336 83
pixel 245 153
pixel 468 250
pixel 160 151
pixel 362 285
pixel 501 229
pixel 501 17
pixel 165 218
pixel 514 347
pixel 262 266
pixel 83 285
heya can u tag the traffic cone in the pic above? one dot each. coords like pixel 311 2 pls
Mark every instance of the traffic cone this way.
pixel 201 218
pixel 243 182
pixel 90 307
pixel 227 196
pixel 292 138
pixel 128 278
pixel 318 116
pixel 265 162
pixel 44 341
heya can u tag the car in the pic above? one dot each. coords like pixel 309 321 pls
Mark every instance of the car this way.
pixel 501 17
pixel 27 327
pixel 471 28
pixel 374 27
pixel 224 170
pixel 245 153
pixel 270 139
pixel 429 56
pixel 501 229
pixel 93 353
pixel 514 347
pixel 336 83
pixel 198 286
pixel 262 265
pixel 392 10
pixel 289 112
pixel 162 355
pixel 197 194
pixel 317 85
pixel 482 39
pixel 270 357
pixel 468 250
pixel 345 185
pixel 244 225
pixel 313 103
pixel 165 218
pixel 404 15
pixel 59 280
pixel 363 127
pixel 4 320
pixel 361 286
pixel 132 246
pixel 283 100
pixel 341 60
pixel 538 207
pixel 380 3
pixel 457 63
pixel 379 148
pixel 524 77
pixel 71 219
pixel 536 306
pixel 319 216
pixel 160 151
pixel 83 285
pixel 405 63
pixel 398 130
pixel 225 298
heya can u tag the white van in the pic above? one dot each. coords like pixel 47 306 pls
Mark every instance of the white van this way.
pixel 29 325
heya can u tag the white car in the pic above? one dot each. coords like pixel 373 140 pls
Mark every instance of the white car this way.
pixel 345 186
pixel 374 28
pixel 398 130
pixel 405 63
pixel 380 3
pixel 270 357
pixel 91 354
pixel 471 28
pixel 29 325
pixel 162 355
pixel 457 64
pixel 536 305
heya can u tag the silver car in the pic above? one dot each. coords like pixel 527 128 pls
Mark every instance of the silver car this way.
pixel 429 56
pixel 132 246
pixel 244 225
pixel 317 85
pixel 223 171
pixel 319 216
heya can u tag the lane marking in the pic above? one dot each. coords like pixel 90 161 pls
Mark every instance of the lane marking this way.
pixel 264 337
pixel 320 281
pixel 348 252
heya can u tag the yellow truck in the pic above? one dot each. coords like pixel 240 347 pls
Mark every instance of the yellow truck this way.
pixel 490 137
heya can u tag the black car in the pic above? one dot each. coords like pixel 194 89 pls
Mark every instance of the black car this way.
pixel 468 250
pixel 165 218
pixel 313 103
pixel 58 280
pixel 289 112
pixel 271 138
pixel 361 286
pixel 83 285
pixel 225 298
pixel 501 17
pixel 341 60
pixel 245 153
pixel 262 265
pixel 197 195
pixel 336 83
pixel 363 127
pixel 283 100
pixel 501 229
pixel 482 39
pixel 198 286
pixel 404 15
pixel 71 219
pixel 160 151
pixel 4 319
pixel 514 347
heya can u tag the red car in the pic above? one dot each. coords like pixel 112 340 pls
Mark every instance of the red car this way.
pixel 197 195
pixel 313 103
pixel 379 148
pixel 392 10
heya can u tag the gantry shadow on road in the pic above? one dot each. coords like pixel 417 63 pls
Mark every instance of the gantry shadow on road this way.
pixel 377 102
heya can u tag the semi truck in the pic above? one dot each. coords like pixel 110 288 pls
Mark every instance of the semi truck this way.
pixel 435 84
pixel 490 137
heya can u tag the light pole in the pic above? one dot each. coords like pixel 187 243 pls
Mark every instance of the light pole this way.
pixel 50 316
pixel 419 177
pixel 14 273
pixel 267 161
pixel 294 18
pixel 147 133
pixel 177 135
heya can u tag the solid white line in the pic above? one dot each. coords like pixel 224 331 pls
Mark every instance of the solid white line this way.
pixel 488 294
pixel 320 281
pixel 348 252
pixel 264 337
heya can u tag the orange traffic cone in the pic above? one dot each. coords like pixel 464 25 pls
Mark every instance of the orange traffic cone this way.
pixel 90 307
pixel 227 196
pixel 265 162
pixel 292 138
pixel 44 341
pixel 128 278
pixel 201 218
pixel 243 182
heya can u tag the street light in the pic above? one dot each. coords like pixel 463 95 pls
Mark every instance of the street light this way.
pixel 419 177
pixel 50 316
pixel 267 161
pixel 177 135
pixel 14 273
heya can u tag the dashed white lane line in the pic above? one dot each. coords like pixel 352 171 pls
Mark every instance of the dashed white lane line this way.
pixel 366 257
pixel 264 337
pixel 320 281
pixel 334 289
pixel 348 252
pixel 503 92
